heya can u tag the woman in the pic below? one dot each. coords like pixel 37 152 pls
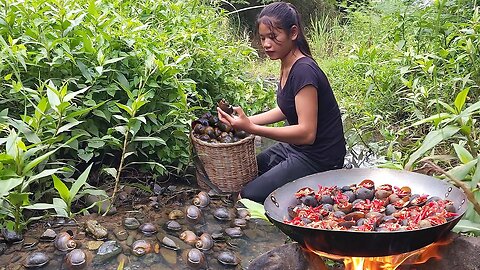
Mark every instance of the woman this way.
pixel 313 140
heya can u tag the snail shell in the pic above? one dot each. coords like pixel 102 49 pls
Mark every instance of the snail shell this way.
pixel 36 259
pixel 173 225
pixel 201 199
pixel 195 258
pixel 64 241
pixel 228 258
pixel 169 243
pixel 189 237
pixel 243 213
pixel 205 242
pixel 75 259
pixel 240 222
pixel 225 106
pixel 175 214
pixel 141 247
pixel 222 213
pixel 234 232
pixel 148 229
pixel 193 214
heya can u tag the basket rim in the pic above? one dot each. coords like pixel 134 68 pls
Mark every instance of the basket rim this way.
pixel 220 145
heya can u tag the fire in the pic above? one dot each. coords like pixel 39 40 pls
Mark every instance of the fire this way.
pixel 418 256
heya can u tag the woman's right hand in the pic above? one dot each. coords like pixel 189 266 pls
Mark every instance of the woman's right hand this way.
pixel 240 121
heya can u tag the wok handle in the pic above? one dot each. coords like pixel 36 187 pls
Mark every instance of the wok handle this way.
pixel 274 200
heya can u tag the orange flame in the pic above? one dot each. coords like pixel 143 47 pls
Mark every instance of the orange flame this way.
pixel 418 256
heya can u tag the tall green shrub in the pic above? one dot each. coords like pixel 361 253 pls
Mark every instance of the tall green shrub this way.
pixel 178 53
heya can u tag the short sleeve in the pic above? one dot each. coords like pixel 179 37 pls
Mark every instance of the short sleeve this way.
pixel 301 75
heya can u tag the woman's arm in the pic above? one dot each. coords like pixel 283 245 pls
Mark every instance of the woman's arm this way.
pixel 303 133
pixel 268 117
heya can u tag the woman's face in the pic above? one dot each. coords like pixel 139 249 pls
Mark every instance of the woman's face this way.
pixel 276 42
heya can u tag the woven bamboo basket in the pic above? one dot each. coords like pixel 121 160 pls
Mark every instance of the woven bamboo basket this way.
pixel 229 166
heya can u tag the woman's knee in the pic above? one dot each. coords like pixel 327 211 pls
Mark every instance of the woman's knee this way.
pixel 252 192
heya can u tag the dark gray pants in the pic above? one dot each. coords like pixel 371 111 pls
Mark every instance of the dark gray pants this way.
pixel 278 165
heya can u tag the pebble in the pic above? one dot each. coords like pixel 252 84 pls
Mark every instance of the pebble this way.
pixel 121 234
pixel 169 255
pixel 93 245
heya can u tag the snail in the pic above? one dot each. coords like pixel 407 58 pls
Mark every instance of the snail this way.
pixel 225 106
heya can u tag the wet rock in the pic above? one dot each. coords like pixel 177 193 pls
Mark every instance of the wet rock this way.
pixel 3 247
pixel 150 259
pixel 252 234
pixel 131 223
pixel 169 255
pixel 130 239
pixel 11 236
pixel 121 234
pixel 95 229
pixel 107 251
pixel 287 257
pixel 93 245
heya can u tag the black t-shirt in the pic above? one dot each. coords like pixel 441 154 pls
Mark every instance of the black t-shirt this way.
pixel 329 146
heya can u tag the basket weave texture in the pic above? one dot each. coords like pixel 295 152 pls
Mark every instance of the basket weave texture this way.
pixel 229 166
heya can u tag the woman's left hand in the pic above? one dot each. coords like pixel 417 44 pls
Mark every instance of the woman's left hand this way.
pixel 238 122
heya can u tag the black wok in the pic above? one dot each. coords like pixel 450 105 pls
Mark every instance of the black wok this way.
pixel 363 244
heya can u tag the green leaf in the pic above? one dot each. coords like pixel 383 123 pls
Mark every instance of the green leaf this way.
pixel 460 99
pixel 113 60
pixel 85 72
pixel 433 138
pixel 462 153
pixel 40 206
pixel 77 113
pixel 53 98
pixel 111 171
pixel 149 139
pixel 68 126
pixel 19 199
pixel 85 155
pixel 25 130
pixel 60 207
pixel 72 95
pixel 62 189
pixel 125 108
pixel 81 180
pixel 7 185
pixel 42 174
pixel 467 226
pixel 256 209
pixel 37 161
pixel 436 118
pixel 461 172
pixel 476 174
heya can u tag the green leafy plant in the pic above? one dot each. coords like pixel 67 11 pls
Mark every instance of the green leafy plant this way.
pixel 63 205
pixel 18 171
pixel 181 52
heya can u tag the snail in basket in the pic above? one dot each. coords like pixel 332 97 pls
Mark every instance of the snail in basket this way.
pixel 209 129
pixel 225 106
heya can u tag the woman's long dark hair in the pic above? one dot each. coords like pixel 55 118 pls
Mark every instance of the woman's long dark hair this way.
pixel 283 15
